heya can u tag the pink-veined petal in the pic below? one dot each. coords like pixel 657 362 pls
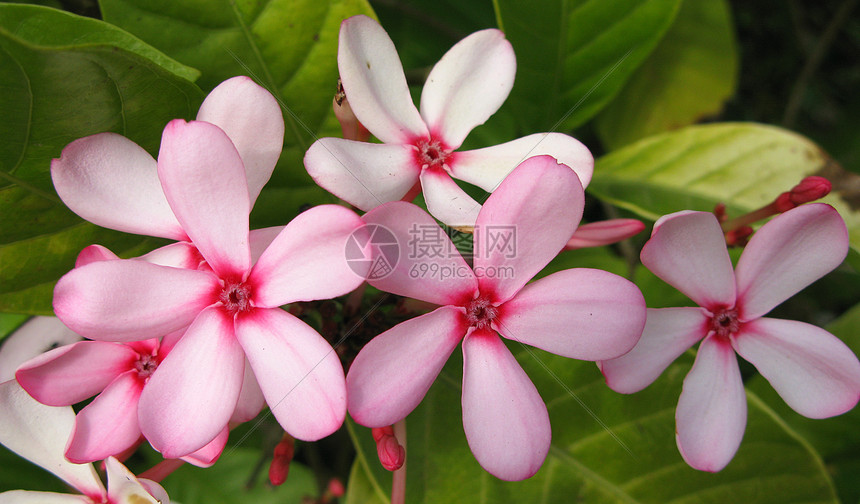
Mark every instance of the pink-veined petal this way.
pixel 597 234
pixel 668 333
pixel 204 181
pixel 487 167
pixel 111 181
pixel 712 411
pixel 129 300
pixel 505 419
pixel 579 313
pixel 252 119
pixel 261 239
pixel 787 254
pixel 307 260
pixel 94 253
pixel 108 425
pixel 298 371
pixel 251 400
pixel 191 396
pixel 468 85
pixel 68 375
pixel 209 454
pixel 363 174
pixel 375 85
pixel 176 255
pixel 33 497
pixel 525 223
pixel 39 433
pixel 812 370
pixel 124 487
pixel 392 373
pixel 428 266
pixel 34 337
pixel 688 251
pixel 447 201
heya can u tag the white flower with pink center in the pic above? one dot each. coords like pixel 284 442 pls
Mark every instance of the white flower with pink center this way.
pixel 812 370
pixel 578 313
pixel 419 149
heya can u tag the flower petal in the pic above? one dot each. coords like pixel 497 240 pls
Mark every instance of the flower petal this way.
pixel 204 181
pixel 32 497
pixel 94 253
pixel 426 266
pixel 375 85
pixel 363 174
pixel 468 85
pixel 251 400
pixel 123 485
pixel 191 396
pixel 505 419
pixel 177 255
pixel 447 201
pixel 487 167
pixel 68 375
pixel 307 260
pixel 39 433
pixel 525 223
pixel 109 180
pixel 260 240
pixel 597 234
pixel 688 251
pixel 209 454
pixel 129 300
pixel 812 370
pixel 252 119
pixel 668 333
pixel 298 371
pixel 34 337
pixel 712 411
pixel 579 313
pixel 108 425
pixel 787 254
pixel 393 372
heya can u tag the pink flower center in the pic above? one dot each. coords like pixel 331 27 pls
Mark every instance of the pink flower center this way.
pixel 480 313
pixel 725 322
pixel 236 297
pixel 431 153
pixel 146 365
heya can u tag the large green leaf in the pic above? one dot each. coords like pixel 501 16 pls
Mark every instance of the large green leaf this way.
pixel 744 166
pixel 574 56
pixel 64 77
pixel 288 46
pixel 629 456
pixel 837 438
pixel 690 75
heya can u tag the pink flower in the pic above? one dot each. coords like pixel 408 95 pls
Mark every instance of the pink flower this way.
pixel 110 181
pixel 578 313
pixel 231 306
pixel 463 90
pixel 38 433
pixel 812 370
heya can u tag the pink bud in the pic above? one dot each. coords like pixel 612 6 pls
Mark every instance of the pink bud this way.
pixel 810 189
pixel 350 126
pixel 595 234
pixel 391 454
pixel 335 487
pixel 380 432
pixel 738 237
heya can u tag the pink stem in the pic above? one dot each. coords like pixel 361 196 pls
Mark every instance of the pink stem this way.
pixel 398 482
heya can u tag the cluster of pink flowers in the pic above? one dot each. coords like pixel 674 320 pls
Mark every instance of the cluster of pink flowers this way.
pixel 191 339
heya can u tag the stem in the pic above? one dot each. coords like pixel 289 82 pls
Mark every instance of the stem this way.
pixel 398 480
pixel 747 219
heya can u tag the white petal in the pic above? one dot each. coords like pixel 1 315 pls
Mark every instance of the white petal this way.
pixel 34 337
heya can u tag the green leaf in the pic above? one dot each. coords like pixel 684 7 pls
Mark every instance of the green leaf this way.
pixel 287 46
pixel 689 76
pixel 837 438
pixel 587 461
pixel 228 482
pixel 744 166
pixel 574 56
pixel 65 77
